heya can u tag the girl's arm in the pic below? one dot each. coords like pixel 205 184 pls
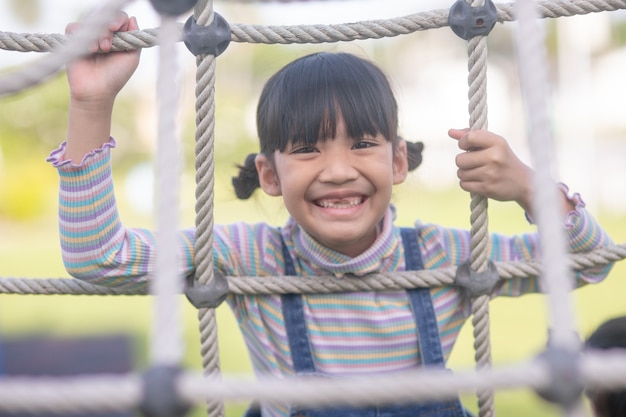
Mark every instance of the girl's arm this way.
pixel 451 247
pixel 94 83
pixel 489 167
pixel 96 247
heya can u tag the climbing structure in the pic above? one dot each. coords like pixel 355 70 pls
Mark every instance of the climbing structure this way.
pixel 167 389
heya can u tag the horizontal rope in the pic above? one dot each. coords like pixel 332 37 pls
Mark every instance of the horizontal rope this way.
pixel 69 394
pixel 91 393
pixel 302 34
pixel 317 284
pixel 74 48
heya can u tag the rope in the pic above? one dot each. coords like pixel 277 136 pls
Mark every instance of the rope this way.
pixel 371 29
pixel 74 47
pixel 557 280
pixel 115 393
pixel 479 243
pixel 205 164
pixel 167 345
pixel 318 284
pixel 89 394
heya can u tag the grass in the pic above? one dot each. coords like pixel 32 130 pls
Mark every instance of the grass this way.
pixel 518 326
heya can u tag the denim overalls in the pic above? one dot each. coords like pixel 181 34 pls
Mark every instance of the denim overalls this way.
pixel 429 344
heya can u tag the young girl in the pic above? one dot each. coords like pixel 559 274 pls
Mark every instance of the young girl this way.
pixel 327 125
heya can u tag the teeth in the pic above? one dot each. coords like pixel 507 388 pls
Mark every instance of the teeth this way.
pixel 340 204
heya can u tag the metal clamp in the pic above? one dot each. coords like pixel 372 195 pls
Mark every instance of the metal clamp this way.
pixel 207 296
pixel 477 283
pixel 467 21
pixel 565 387
pixel 173 7
pixel 212 39
pixel 160 396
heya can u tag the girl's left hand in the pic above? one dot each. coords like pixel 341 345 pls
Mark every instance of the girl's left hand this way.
pixel 490 168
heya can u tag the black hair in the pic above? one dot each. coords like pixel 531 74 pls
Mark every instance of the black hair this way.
pixel 303 102
pixel 610 335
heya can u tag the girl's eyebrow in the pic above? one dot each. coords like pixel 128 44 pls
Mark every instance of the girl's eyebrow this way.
pixel 366 136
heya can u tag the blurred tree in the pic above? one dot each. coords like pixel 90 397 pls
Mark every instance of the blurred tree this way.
pixel 27 11
pixel 32 123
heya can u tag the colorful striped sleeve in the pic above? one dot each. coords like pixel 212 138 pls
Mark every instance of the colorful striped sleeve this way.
pixel 96 247
pixel 449 247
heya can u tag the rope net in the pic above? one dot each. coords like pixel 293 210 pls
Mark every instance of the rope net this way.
pixel 125 392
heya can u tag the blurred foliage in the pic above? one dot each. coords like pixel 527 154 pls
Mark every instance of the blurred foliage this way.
pixel 27 11
pixel 32 124
pixel 618 33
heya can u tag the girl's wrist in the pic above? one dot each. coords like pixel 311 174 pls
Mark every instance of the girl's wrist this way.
pixel 92 106
pixel 89 127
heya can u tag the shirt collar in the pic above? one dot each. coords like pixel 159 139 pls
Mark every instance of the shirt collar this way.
pixel 315 257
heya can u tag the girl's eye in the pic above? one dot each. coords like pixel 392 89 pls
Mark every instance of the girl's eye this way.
pixel 363 144
pixel 304 149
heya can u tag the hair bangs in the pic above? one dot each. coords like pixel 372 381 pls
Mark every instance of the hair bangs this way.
pixel 304 102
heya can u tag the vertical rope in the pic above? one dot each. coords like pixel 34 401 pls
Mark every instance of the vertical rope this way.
pixel 477 81
pixel 557 280
pixel 166 346
pixel 205 167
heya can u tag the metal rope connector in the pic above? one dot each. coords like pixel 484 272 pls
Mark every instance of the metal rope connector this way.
pixel 160 395
pixel 212 39
pixel 173 7
pixel 210 295
pixel 467 21
pixel 475 283
pixel 566 387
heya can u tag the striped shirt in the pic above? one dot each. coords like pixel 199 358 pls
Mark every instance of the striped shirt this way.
pixel 350 333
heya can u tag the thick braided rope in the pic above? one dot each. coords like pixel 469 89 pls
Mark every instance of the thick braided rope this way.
pixel 88 394
pixel 557 279
pixel 318 284
pixel 115 393
pixel 166 347
pixel 375 29
pixel 479 256
pixel 372 29
pixel 205 166
pixel 75 47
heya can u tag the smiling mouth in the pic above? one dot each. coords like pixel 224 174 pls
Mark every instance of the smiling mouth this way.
pixel 340 203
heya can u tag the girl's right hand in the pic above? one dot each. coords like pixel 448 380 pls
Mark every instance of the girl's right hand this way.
pixel 98 78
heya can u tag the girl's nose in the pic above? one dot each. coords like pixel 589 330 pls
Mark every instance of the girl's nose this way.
pixel 338 168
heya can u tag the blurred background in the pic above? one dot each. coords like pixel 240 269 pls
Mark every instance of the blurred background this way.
pixel 428 70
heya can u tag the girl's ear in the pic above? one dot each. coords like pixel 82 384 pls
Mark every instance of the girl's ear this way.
pixel 400 163
pixel 268 179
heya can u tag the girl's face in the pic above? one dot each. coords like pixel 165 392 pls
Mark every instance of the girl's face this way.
pixel 339 189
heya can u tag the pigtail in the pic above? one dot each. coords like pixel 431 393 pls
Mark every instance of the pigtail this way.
pixel 248 179
pixel 414 154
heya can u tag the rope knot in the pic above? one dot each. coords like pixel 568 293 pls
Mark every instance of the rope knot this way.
pixel 210 295
pixel 212 39
pixel 160 395
pixel 565 387
pixel 475 283
pixel 468 21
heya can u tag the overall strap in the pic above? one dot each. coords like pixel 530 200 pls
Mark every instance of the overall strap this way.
pixel 421 302
pixel 295 326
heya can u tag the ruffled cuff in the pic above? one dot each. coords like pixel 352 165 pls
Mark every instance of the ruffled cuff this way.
pixel 57 156
pixel 572 216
